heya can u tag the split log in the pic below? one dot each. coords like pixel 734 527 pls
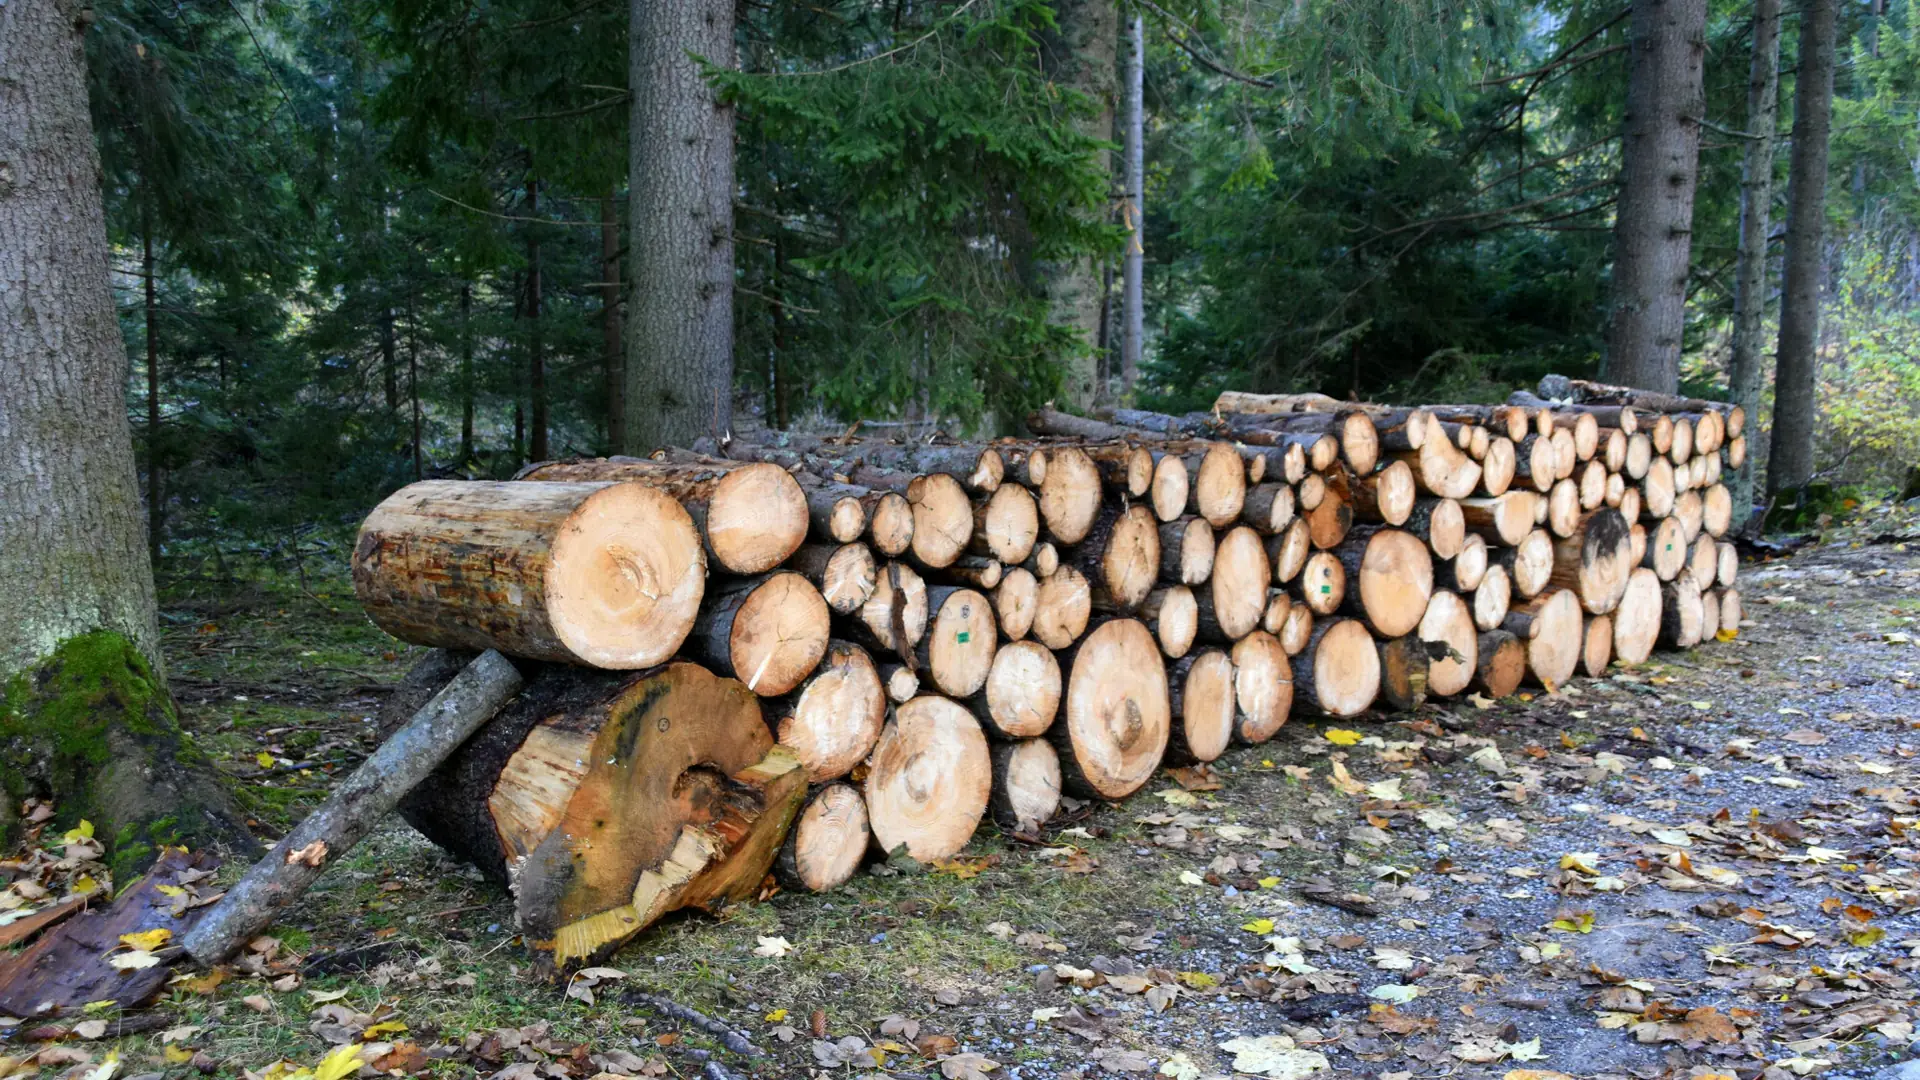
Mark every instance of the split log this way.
pixel 845 574
pixel 1441 525
pixel 609 575
pixel 1339 670
pixel 957 652
pixel 1501 665
pixel 1403 673
pixel 1390 579
pixel 1329 522
pixel 1238 586
pixel 1453 639
pixel 1289 552
pixel 1167 493
pixel 769 632
pixel 1559 633
pixel 1186 550
pixel 1117 711
pixel 604 800
pixel 1636 619
pixel 750 515
pixel 1262 687
pixel 1201 701
pixel 832 723
pixel 1321 587
pixel 1597 651
pixel 1022 695
pixel 827 842
pixel 1014 602
pixel 894 618
pixel 1462 572
pixel 929 780
pixel 356 806
pixel 1506 519
pixel 1026 784
pixel 1298 630
pixel 1595 561
pixel 1070 494
pixel 1492 598
pixel 1529 564
pixel 1269 508
pixel 1121 554
pixel 1061 608
pixel 1006 525
pixel 1666 552
pixel 1681 615
pixel 1219 487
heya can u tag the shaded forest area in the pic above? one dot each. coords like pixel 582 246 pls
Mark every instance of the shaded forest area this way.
pixel 356 244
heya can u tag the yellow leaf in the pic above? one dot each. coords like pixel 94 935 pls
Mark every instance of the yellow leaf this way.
pixel 1726 634
pixel 1341 736
pixel 1578 923
pixel 1258 926
pixel 776 1016
pixel 171 890
pixel 147 940
pixel 1198 980
pixel 177 1055
pixel 340 1064
pixel 264 759
pixel 85 884
pixel 1269 882
pixel 389 1027
pixel 83 831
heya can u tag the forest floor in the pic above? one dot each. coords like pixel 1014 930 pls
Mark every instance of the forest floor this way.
pixel 1699 866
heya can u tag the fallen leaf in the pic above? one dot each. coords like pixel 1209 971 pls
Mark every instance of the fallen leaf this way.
pixel 147 940
pixel 1274 1056
pixel 773 946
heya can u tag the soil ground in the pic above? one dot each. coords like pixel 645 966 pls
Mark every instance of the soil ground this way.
pixel 1697 866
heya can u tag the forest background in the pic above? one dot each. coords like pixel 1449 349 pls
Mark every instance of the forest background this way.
pixel 359 243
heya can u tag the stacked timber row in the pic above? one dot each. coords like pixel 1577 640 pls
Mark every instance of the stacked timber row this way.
pixel 794 658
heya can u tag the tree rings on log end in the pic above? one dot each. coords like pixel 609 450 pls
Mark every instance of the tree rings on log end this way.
pixel 1023 690
pixel 1026 784
pixel 1117 711
pixel 1204 704
pixel 929 781
pixel 1262 687
pixel 837 715
pixel 828 841
pixel 1340 670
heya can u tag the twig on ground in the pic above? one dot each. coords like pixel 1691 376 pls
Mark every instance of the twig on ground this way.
pixel 733 1040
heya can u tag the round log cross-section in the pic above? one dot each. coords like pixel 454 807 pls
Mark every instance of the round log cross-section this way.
pixel 752 515
pixel 1026 784
pixel 1219 484
pixel 1006 524
pixel 929 781
pixel 942 519
pixel 1061 608
pixel 828 841
pixel 895 616
pixel 768 632
pixel 1014 600
pixel 1560 637
pixel 1389 579
pixel 1339 670
pixel 1239 584
pixel 1203 703
pixel 1117 711
pixel 1022 694
pixel 958 650
pixel 1262 687
pixel 1070 494
pixel 833 721
pixel 602 574
pixel 1449 631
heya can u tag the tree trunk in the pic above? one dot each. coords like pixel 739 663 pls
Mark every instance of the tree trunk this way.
pixel 612 340
pixel 389 360
pixel 1078 55
pixel 90 724
pixel 680 326
pixel 1790 459
pixel 413 389
pixel 156 505
pixel 536 353
pixel 1653 230
pixel 466 375
pixel 1132 305
pixel 1756 202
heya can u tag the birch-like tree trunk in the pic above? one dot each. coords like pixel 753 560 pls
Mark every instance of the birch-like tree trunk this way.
pixel 1659 169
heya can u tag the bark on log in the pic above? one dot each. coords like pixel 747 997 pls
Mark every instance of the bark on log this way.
pixel 1501 665
pixel 1262 688
pixel 750 515
pixel 1462 572
pixel 1167 493
pixel 1329 522
pixel 1026 784
pixel 1453 643
pixel 1269 508
pixel 1597 651
pixel 609 575
pixel 845 574
pixel 1186 551
pixel 1338 673
pixel 1595 561
pixel 1121 554
pixel 1389 576
pixel 836 513
pixel 1681 614
pixel 1506 519
pixel 832 722
pixel 929 781
pixel 1559 633
pixel 828 841
pixel 1202 704
pixel 1492 598
pixel 1386 496
pixel 901 682
pixel 894 618
pixel 957 652
pixel 1289 552
pixel 1440 524
pixel 356 807
pixel 769 632
pixel 1006 525
pixel 1403 673
pixel 1117 712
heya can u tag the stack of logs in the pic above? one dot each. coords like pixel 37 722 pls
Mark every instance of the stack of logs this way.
pixel 797 656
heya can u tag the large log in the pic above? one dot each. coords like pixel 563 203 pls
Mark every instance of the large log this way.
pixel 1389 576
pixel 1448 628
pixel 1121 554
pixel 1270 507
pixel 403 759
pixel 769 632
pixel 1070 493
pixel 1439 523
pixel 1061 608
pixel 609 575
pixel 929 781
pixel 1022 695
pixel 957 652
pixel 1262 687
pixel 750 515
pixel 1238 587
pixel 828 840
pixel 1595 561
pixel 1117 715
pixel 832 722
pixel 1559 634
pixel 1026 784
pixel 1506 519
pixel 604 800
pixel 1202 704
pixel 1006 524
pixel 1338 673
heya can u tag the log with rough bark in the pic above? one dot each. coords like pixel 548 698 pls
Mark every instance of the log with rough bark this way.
pixel 1006 524
pixel 1054 422
pixel 404 758
pixel 1121 554
pixel 836 513
pixel 1290 551
pixel 1124 467
pixel 1403 673
pixel 981 572
pixel 929 779
pixel 1441 524
pixel 832 722
pixel 1044 560
pixel 604 800
pixel 1061 608
pixel 845 574
pixel 1595 561
pixel 1262 687
pixel 1501 664
pixel 1026 784
pixel 1559 633
pixel 1498 467
pixel 1202 703
pixel 1237 589
pixel 1389 576
pixel 769 632
pixel 750 515
pixel 828 841
pixel 604 574
pixel 1022 694
pixel 1386 496
pixel 1666 552
pixel 1014 602
pixel 1453 640
pixel 1462 572
pixel 1117 716
pixel 1534 461
pixel 1270 507
pixel 1186 550
pixel 957 652
pixel 1596 651
pixel 1338 673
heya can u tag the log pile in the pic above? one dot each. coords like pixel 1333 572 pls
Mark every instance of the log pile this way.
pixel 792 658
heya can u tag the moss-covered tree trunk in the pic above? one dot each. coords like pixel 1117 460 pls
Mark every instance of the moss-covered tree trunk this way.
pixel 85 718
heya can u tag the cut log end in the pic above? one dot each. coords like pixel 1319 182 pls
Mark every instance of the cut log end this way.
pixel 836 717
pixel 757 517
pixel 1339 672
pixel 1023 689
pixel 1203 699
pixel 929 781
pixel 1117 712
pixel 1554 652
pixel 1262 687
pixel 1070 494
pixel 891 525
pixel 828 841
pixel 1501 664
pixel 958 651
pixel 1026 784
pixel 1453 639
